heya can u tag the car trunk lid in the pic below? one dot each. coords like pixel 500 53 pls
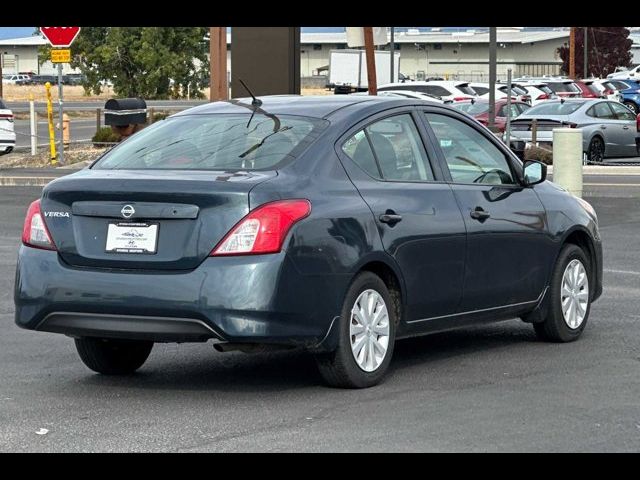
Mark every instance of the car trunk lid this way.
pixel 145 219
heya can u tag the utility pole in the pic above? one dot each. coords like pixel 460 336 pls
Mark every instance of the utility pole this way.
pixel 371 60
pixel 218 86
pixel 585 43
pixel 572 53
pixel 493 57
pixel 392 47
pixel 1 58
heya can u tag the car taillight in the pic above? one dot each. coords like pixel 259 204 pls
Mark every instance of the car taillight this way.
pixel 571 124
pixel 460 99
pixel 608 91
pixel 544 96
pixel 638 123
pixel 35 232
pixel 6 116
pixel 264 229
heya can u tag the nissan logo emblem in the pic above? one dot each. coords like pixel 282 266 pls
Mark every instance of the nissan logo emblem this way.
pixel 127 211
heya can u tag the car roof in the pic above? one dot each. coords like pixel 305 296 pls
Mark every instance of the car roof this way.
pixel 451 83
pixel 319 106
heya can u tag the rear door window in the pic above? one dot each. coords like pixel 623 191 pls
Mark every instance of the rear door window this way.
pixel 602 110
pixel 390 149
pixel 622 112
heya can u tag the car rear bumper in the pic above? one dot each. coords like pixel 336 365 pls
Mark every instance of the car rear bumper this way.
pixel 248 299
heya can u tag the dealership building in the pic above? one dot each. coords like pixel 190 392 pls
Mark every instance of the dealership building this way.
pixel 452 54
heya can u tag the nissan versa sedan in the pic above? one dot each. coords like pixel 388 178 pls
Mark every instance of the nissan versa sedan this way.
pixel 334 224
pixel 609 129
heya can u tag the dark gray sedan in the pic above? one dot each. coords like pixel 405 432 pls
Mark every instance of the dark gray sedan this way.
pixel 334 224
pixel 609 128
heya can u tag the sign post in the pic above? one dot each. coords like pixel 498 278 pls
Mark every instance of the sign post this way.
pixel 60 37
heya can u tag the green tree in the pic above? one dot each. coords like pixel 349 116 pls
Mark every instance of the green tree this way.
pixel 607 48
pixel 147 62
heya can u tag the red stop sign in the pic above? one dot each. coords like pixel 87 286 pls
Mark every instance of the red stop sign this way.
pixel 60 36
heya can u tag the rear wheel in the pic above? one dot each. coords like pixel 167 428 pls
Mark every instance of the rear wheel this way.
pixel 569 297
pixel 113 357
pixel 595 153
pixel 632 106
pixel 366 336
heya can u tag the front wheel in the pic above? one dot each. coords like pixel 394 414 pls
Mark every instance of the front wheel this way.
pixel 366 336
pixel 113 357
pixel 632 106
pixel 569 297
pixel 595 154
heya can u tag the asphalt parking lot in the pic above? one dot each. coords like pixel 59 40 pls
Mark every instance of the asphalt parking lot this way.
pixel 490 388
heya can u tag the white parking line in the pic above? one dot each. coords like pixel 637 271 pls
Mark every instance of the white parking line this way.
pixel 625 272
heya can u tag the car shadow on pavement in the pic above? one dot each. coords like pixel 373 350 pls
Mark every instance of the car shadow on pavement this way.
pixel 295 369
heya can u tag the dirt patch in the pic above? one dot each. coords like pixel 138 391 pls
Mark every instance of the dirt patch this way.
pixel 22 93
pixel 78 156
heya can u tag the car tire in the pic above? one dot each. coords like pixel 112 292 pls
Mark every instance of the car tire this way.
pixel 595 153
pixel 633 106
pixel 113 357
pixel 567 324
pixel 344 368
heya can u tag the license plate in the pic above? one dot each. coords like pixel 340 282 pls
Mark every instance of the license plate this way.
pixel 132 237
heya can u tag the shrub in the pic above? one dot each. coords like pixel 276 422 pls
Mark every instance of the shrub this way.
pixel 543 155
pixel 159 116
pixel 105 135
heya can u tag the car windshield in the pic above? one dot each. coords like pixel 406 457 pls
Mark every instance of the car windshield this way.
pixel 555 108
pixel 215 142
pixel 472 108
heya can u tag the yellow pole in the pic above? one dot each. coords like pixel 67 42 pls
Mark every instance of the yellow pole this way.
pixel 52 135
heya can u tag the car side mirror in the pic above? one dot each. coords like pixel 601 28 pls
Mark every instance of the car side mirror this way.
pixel 534 172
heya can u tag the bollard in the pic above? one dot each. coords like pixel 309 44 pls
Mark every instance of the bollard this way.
pixel 33 122
pixel 567 159
pixel 66 123
pixel 98 119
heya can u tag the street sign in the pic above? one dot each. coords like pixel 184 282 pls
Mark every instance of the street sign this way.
pixel 61 56
pixel 61 37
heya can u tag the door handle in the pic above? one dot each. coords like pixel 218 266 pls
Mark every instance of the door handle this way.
pixel 603 127
pixel 625 127
pixel 390 218
pixel 479 214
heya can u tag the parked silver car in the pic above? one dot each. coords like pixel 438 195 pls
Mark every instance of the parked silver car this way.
pixel 609 128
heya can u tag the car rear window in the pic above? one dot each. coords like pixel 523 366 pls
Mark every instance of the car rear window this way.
pixel 569 87
pixel 215 142
pixel 555 108
pixel 471 108
pixel 465 88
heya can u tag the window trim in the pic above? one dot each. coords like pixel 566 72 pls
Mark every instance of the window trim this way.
pixel 513 162
pixel 433 162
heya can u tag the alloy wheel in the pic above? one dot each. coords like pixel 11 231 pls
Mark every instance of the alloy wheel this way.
pixel 369 330
pixel 574 294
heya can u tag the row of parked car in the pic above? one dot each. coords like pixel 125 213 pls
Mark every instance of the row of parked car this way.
pixel 31 79
pixel 606 109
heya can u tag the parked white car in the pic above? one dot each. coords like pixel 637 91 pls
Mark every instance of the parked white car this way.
pixel 538 91
pixel 7 133
pixel 407 94
pixel 10 79
pixel 517 93
pixel 633 73
pixel 606 89
pixel 444 89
